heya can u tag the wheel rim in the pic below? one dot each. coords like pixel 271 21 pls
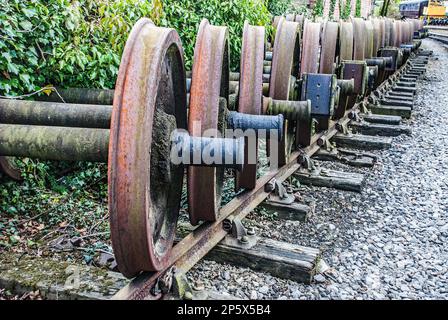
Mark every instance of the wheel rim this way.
pixel 346 41
pixel 143 202
pixel 251 94
pixel 359 34
pixel 210 81
pixel 310 47
pixel 8 167
pixel 330 51
pixel 285 63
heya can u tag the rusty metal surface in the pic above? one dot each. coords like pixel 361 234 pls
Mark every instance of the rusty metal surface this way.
pixel 209 82
pixel 397 33
pixel 359 34
pixel 376 36
pixel 329 53
pixel 7 167
pixel 251 91
pixel 276 21
pixel 369 39
pixel 290 17
pixel 300 19
pixel 310 47
pixel 144 203
pixel 285 59
pixel 383 33
pixel 388 32
pixel 346 40
pixel 285 63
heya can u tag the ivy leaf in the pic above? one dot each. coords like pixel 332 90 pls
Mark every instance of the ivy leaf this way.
pixel 26 25
pixel 25 78
pixel 12 68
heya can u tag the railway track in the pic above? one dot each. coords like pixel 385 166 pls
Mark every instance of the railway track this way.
pixel 439 37
pixel 302 93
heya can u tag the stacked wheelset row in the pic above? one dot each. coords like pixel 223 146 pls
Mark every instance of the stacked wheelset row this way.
pixel 299 79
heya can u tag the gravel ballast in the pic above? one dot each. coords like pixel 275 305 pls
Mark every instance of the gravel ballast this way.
pixel 388 242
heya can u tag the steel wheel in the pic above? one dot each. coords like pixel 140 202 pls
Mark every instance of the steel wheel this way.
pixel 359 35
pixel 285 63
pixel 376 37
pixel 144 186
pixel 369 39
pixel 251 94
pixel 330 48
pixel 210 81
pixel 346 41
pixel 8 167
pixel 310 47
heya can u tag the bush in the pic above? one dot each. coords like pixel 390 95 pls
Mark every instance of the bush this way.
pixel 185 16
pixel 63 42
pixel 282 7
pixel 79 43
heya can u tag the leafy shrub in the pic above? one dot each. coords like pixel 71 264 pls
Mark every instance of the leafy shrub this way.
pixel 280 7
pixel 318 9
pixel 358 8
pixel 345 11
pixel 185 16
pixel 79 43
pixel 68 43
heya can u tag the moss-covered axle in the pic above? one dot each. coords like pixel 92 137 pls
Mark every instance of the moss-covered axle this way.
pixel 55 114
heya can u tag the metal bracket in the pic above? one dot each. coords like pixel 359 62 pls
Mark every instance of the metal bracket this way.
pixel 306 162
pixel 278 193
pixel 342 128
pixel 356 154
pixel 321 89
pixel 353 115
pixel 235 227
pixel 363 108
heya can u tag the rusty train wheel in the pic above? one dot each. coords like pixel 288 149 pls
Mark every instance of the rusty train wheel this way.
pixel 397 33
pixel 369 39
pixel 346 41
pixel 330 48
pixel 300 19
pixel 346 52
pixel 383 34
pixel 210 81
pixel 376 36
pixel 290 17
pixel 310 47
pixel 285 63
pixel 251 93
pixel 392 34
pixel 144 186
pixel 8 167
pixel 359 34
pixel 276 21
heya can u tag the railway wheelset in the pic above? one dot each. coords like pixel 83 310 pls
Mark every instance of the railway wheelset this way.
pixel 298 92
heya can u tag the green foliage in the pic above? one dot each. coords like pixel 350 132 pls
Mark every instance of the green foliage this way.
pixel 345 12
pixel 51 194
pixel 63 42
pixel 185 16
pixel 79 43
pixel 332 7
pixel 318 9
pixel 279 7
pixel 358 8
